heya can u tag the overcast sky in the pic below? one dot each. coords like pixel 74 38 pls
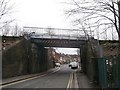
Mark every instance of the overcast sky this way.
pixel 43 13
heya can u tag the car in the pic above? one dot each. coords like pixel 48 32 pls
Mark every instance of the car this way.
pixel 57 64
pixel 70 64
pixel 74 65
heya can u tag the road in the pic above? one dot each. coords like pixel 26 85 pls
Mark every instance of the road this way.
pixel 59 79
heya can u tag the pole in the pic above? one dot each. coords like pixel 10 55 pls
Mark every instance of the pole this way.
pixel 119 27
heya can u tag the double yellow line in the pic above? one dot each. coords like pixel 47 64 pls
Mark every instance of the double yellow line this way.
pixel 70 82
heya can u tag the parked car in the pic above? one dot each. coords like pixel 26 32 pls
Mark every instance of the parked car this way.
pixel 70 64
pixel 74 65
pixel 57 64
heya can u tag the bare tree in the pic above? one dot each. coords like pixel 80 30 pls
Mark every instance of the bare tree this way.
pixel 99 13
pixel 6 29
pixel 104 12
pixel 5 11
pixel 17 30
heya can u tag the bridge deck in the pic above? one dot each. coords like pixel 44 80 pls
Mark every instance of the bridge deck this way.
pixel 56 37
pixel 59 37
pixel 48 42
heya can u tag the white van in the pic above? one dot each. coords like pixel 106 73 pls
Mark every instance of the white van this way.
pixel 74 65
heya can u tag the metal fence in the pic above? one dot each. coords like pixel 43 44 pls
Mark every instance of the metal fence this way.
pixel 109 72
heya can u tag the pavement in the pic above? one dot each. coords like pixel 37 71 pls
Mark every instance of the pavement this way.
pixel 84 82
pixel 22 77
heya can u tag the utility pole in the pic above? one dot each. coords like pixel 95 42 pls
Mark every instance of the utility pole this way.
pixel 119 26
pixel 119 18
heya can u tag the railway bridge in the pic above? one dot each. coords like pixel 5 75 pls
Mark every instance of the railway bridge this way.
pixel 55 37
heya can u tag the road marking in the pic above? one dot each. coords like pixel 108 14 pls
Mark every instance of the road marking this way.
pixel 28 79
pixel 70 82
pixel 76 81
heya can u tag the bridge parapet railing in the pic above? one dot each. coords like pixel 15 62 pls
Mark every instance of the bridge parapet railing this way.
pixel 58 33
pixel 59 37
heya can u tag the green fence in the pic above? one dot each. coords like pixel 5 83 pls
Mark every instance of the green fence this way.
pixel 109 72
pixel 102 73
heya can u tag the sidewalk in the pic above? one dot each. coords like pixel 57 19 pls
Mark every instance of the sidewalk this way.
pixel 84 82
pixel 23 77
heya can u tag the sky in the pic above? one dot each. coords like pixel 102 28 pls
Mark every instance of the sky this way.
pixel 67 50
pixel 43 13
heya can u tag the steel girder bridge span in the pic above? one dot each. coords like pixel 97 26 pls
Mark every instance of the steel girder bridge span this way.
pixel 55 37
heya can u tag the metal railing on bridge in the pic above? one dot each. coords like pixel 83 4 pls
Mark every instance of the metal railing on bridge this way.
pixel 58 37
pixel 56 33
